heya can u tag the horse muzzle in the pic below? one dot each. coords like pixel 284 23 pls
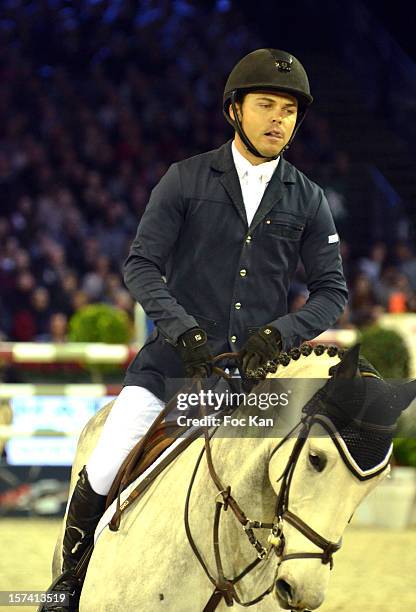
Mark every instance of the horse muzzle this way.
pixel 289 597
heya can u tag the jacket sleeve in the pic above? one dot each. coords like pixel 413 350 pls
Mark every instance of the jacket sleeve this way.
pixel 328 294
pixel 156 236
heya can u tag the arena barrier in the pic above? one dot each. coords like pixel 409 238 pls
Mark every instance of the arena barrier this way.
pixel 70 352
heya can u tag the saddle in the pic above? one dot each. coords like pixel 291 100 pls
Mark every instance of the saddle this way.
pixel 143 455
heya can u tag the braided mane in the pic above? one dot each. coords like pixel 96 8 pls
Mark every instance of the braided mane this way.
pixel 307 349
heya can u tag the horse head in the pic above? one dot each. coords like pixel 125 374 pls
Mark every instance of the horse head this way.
pixel 340 452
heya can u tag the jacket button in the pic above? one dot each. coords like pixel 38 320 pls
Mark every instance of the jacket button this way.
pixel 248 239
pixel 237 305
pixel 268 221
pixel 243 272
pixel 233 339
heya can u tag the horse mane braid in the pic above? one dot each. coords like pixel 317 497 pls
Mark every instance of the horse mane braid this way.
pixel 307 349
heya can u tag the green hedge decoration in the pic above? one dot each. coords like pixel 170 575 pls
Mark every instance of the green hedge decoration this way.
pixel 100 323
pixel 405 451
pixel 387 351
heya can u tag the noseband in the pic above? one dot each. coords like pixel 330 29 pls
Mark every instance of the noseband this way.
pixel 224 588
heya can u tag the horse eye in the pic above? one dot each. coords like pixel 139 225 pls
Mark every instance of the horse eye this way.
pixel 317 461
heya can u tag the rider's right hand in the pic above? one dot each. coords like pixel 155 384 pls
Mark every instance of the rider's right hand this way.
pixel 194 351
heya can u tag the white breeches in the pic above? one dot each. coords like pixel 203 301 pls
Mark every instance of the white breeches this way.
pixel 133 411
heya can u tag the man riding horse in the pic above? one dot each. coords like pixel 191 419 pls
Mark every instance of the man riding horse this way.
pixel 211 264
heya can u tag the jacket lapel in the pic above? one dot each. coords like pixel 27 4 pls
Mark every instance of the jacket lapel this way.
pixel 231 184
pixel 223 161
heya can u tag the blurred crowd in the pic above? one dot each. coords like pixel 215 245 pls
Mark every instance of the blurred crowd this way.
pixel 383 281
pixel 98 99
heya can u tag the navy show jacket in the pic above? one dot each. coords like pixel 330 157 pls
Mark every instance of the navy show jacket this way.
pixel 195 260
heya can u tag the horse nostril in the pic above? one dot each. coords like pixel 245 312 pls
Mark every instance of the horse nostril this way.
pixel 285 590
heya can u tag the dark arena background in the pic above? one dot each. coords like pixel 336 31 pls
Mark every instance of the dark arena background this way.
pixel 97 99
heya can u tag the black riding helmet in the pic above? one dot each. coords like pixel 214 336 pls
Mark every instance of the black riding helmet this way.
pixel 266 69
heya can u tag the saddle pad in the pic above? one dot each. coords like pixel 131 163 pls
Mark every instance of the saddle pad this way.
pixel 108 514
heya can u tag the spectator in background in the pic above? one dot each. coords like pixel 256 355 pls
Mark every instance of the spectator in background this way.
pixel 79 300
pixel 23 324
pixel 94 281
pixel 406 262
pixel 372 265
pixel 58 328
pixel 393 290
pixel 121 298
pixel 63 300
pixel 41 311
pixel 363 302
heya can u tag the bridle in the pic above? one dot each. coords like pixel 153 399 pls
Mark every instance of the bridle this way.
pixel 224 588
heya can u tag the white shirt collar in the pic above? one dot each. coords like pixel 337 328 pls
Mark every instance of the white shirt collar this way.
pixel 244 167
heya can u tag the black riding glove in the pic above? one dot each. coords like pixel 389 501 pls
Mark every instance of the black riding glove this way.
pixel 195 354
pixel 261 348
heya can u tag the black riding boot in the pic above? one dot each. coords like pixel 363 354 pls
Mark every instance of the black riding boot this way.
pixel 85 510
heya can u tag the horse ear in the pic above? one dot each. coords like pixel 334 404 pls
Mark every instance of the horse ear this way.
pixel 348 366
